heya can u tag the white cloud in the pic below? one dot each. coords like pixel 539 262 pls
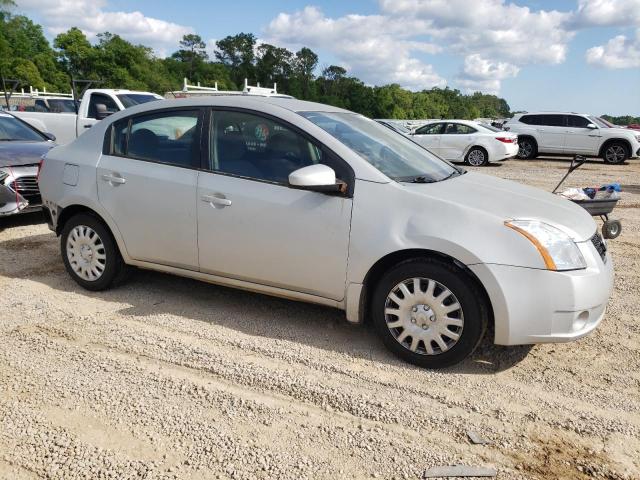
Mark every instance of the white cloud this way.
pixel 90 16
pixel 493 28
pixel 619 52
pixel 372 47
pixel 606 13
pixel 480 74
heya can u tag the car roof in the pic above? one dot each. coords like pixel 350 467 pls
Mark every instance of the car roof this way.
pixel 249 101
pixel 552 113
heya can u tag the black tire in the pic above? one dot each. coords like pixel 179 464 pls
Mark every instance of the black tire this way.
pixel 615 153
pixel 527 148
pixel 114 271
pixel 611 229
pixel 465 291
pixel 477 152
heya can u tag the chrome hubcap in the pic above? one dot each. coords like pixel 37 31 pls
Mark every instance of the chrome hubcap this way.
pixel 615 154
pixel 86 253
pixel 424 316
pixel 476 157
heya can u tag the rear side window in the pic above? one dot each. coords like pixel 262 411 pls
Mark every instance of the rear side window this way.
pixel 171 137
pixel 553 120
pixel 530 119
pixel 459 129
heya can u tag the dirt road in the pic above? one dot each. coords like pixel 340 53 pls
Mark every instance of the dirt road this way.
pixel 170 378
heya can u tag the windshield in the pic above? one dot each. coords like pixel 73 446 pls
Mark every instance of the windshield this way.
pixel 12 129
pixel 394 155
pixel 601 122
pixel 131 99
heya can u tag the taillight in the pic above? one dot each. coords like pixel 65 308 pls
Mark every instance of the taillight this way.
pixel 507 139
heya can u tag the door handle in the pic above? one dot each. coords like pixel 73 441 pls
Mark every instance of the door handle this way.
pixel 114 179
pixel 216 200
pixel 88 125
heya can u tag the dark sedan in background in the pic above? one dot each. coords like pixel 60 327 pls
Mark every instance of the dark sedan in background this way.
pixel 21 148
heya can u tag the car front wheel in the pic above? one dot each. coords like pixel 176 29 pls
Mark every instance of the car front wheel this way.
pixel 615 153
pixel 429 313
pixel 90 254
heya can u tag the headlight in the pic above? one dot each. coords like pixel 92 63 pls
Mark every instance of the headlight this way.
pixel 557 249
pixel 638 138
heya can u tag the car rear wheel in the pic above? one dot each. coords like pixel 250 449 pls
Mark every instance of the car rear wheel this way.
pixel 615 153
pixel 527 148
pixel 90 254
pixel 429 313
pixel 477 157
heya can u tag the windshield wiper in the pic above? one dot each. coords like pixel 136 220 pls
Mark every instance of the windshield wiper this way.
pixel 421 179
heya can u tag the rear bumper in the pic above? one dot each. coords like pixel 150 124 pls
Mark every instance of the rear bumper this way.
pixel 541 306
pixel 505 151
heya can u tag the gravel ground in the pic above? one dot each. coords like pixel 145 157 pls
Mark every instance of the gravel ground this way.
pixel 171 378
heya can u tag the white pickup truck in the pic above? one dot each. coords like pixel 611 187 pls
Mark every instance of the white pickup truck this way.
pixel 95 105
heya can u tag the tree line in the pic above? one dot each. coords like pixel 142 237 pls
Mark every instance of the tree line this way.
pixel 26 55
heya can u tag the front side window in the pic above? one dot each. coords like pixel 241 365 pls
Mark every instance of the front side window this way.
pixel 577 121
pixel 256 147
pixel 394 155
pixel 101 99
pixel 459 129
pixel 131 99
pixel 167 137
pixel 433 129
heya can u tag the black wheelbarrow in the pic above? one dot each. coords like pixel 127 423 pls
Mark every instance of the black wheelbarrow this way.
pixel 597 207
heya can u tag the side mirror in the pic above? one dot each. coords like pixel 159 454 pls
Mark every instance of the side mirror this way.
pixel 592 126
pixel 101 111
pixel 317 178
pixel 50 136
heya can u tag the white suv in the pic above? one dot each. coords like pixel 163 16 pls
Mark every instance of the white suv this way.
pixel 570 134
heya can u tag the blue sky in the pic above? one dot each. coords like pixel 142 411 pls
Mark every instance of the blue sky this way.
pixel 578 55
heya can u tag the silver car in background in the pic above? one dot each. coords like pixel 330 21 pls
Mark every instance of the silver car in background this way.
pixel 318 204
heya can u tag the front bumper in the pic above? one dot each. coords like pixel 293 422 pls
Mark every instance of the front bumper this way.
pixel 541 306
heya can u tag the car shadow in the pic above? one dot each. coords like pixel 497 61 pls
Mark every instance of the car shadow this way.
pixel 21 220
pixel 147 293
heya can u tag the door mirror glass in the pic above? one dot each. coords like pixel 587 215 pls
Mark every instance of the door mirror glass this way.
pixel 592 126
pixel 319 178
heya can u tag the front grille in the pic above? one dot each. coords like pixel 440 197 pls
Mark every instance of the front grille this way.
pixel 27 186
pixel 601 247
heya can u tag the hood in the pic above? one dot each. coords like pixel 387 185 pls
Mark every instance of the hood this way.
pixel 15 153
pixel 509 200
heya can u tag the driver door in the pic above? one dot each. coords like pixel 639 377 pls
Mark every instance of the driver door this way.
pixel 252 226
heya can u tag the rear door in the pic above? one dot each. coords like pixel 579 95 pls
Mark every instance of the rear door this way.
pixel 552 132
pixel 579 138
pixel 429 136
pixel 147 183
pixel 455 140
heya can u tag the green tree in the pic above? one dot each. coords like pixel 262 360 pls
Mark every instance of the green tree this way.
pixel 75 53
pixel 237 53
pixel 193 53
